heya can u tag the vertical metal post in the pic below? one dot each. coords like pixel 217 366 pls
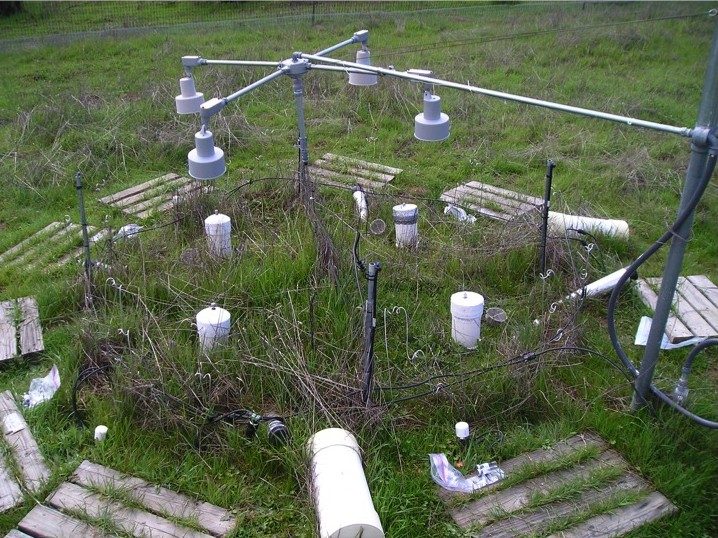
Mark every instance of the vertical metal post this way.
pixel 369 327
pixel 302 140
pixel 83 223
pixel 550 165
pixel 707 119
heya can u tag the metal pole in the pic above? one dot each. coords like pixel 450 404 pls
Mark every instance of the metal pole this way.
pixel 634 122
pixel 550 165
pixel 369 327
pixel 302 139
pixel 83 223
pixel 707 119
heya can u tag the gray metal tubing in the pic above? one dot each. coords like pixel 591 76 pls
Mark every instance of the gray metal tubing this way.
pixel 257 63
pixel 338 46
pixel 688 364
pixel 707 119
pixel 301 123
pixel 339 69
pixel 681 131
pixel 254 86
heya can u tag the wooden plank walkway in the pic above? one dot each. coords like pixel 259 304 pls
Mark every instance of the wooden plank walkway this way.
pixel 345 172
pixel 125 503
pixel 20 321
pixel 54 245
pixel 695 306
pixel 493 202
pixel 32 473
pixel 580 488
pixel 154 196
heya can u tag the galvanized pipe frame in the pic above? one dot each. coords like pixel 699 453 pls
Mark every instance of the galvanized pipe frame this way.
pixel 706 124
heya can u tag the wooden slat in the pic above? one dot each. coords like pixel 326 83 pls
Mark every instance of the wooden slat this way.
pixel 72 497
pixel 41 250
pixel 8 331
pixel 518 496
pixel 511 203
pixel 14 533
pixel 30 330
pixel 355 170
pixel 22 444
pixel 44 522
pixel 112 198
pixel 53 226
pixel 10 494
pixel 675 329
pixel 215 520
pixel 706 287
pixel 496 215
pixel 345 179
pixel 157 190
pixel 542 455
pixel 533 200
pixel 464 195
pixel 533 522
pixel 622 520
pixel 690 318
pixel 164 201
pixel 699 302
pixel 362 164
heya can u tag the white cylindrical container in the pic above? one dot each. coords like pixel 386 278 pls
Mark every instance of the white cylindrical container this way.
pixel 467 308
pixel 212 326
pixel 218 228
pixel 341 494
pixel 406 218
pixel 100 433
pixel 462 430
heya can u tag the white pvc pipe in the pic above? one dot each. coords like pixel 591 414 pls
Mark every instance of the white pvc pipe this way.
pixel 339 488
pixel 218 228
pixel 561 223
pixel 213 326
pixel 598 287
pixel 362 208
pixel 467 307
pixel 406 224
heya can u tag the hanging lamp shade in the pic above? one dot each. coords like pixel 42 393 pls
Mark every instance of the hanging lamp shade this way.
pixel 188 101
pixel 432 125
pixel 363 79
pixel 206 161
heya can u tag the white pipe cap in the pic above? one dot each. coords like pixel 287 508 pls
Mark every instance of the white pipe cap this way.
pixel 189 100
pixel 432 125
pixel 206 161
pixel 462 430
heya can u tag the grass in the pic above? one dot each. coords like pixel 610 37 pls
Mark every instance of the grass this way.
pixel 105 106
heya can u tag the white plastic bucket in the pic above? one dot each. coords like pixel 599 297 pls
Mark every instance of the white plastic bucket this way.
pixel 341 494
pixel 218 228
pixel 406 218
pixel 212 326
pixel 467 307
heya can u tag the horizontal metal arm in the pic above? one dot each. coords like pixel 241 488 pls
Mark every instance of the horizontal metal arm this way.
pixel 339 69
pixel 681 131
pixel 254 85
pixel 258 63
pixel 359 37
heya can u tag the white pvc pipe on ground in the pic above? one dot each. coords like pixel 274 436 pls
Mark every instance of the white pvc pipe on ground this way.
pixel 561 223
pixel 467 307
pixel 218 228
pixel 341 494
pixel 598 287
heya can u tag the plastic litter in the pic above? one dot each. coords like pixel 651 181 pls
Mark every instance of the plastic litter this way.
pixel 644 326
pixel 42 388
pixel 127 231
pixel 451 479
pixel 459 214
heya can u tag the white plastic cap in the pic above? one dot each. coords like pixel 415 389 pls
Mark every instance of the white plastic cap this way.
pixel 467 304
pixel 432 125
pixel 100 432
pixel 206 161
pixel 462 430
pixel 189 100
pixel 363 79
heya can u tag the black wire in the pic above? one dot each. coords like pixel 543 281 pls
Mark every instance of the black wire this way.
pixel 82 377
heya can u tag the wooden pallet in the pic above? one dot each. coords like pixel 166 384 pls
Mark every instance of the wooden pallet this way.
pixel 493 202
pixel 695 305
pixel 344 172
pixel 125 503
pixel 54 245
pixel 154 196
pixel 508 511
pixel 20 320
pixel 32 473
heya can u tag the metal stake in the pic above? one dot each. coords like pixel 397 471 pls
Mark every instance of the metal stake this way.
pixel 369 327
pixel 302 140
pixel 707 120
pixel 83 223
pixel 550 165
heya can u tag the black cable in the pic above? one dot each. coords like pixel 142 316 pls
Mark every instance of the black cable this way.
pixel 83 377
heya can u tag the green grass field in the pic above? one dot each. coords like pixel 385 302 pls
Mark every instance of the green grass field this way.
pixel 105 107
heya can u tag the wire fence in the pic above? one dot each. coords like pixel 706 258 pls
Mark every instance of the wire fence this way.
pixel 39 23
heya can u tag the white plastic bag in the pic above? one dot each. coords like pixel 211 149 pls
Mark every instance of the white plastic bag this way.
pixel 42 388
pixel 450 478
